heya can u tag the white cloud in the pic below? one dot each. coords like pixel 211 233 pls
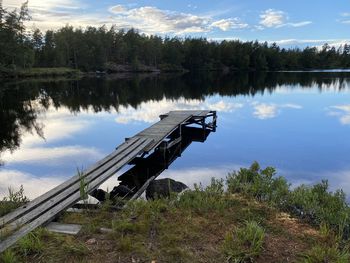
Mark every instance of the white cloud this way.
pixel 342 112
pixel 271 18
pixel 117 9
pixel 52 155
pixel 33 186
pixel 192 175
pixel 227 24
pixel 299 24
pixel 264 111
pixel 149 111
pixel 154 20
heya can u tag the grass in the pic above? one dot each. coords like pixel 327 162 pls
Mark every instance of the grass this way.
pixel 8 257
pixel 83 186
pixel 245 243
pixel 250 217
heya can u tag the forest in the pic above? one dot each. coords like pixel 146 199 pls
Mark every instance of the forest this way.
pixel 112 49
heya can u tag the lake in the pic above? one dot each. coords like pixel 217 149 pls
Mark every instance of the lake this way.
pixel 295 121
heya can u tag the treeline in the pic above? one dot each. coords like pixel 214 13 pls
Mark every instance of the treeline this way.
pixel 105 48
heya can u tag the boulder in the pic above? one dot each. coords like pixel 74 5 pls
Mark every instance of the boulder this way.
pixel 162 188
pixel 118 191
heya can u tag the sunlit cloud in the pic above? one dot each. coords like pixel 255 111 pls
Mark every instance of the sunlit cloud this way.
pixel 151 19
pixel 342 112
pixel 149 111
pixel 148 19
pixel 272 18
pixel 264 111
pixel 227 24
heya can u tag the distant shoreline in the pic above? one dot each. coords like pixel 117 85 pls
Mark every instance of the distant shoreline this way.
pixel 125 69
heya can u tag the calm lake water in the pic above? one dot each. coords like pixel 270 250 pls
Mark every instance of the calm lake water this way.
pixel 297 122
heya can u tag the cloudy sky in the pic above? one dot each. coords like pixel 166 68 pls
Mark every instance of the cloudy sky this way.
pixel 288 23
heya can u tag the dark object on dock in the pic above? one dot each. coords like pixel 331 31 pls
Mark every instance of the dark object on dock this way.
pixel 166 138
pixel 163 188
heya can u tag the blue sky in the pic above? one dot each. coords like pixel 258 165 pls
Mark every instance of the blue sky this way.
pixel 289 23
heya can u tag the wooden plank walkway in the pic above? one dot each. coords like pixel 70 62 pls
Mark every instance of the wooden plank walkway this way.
pixel 45 208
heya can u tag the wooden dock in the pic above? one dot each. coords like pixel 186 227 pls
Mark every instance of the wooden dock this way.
pixel 162 135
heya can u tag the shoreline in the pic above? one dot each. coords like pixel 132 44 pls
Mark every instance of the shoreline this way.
pixel 69 72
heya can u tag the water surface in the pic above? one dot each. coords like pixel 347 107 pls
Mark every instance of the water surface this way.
pixel 297 122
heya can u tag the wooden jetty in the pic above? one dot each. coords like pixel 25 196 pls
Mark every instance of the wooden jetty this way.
pixel 160 136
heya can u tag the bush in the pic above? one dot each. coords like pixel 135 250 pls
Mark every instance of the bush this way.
pixel 259 184
pixel 318 205
pixel 314 203
pixel 244 243
pixel 12 201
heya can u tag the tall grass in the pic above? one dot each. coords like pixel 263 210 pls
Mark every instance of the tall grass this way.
pixel 83 186
pixel 245 243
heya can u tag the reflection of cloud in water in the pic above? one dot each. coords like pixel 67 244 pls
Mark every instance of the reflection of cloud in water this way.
pixel 315 88
pixel 33 186
pixel 149 111
pixel 202 175
pixel 59 124
pixel 53 155
pixel 264 111
pixel 342 112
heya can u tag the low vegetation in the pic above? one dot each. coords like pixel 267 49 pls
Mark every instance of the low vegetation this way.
pixel 253 216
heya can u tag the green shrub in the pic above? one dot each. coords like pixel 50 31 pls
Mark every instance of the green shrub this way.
pixel 244 244
pixel 259 184
pixel 314 203
pixel 12 201
pixel 318 205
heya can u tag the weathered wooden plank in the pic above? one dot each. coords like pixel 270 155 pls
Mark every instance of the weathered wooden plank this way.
pixel 35 212
pixel 37 201
pixel 52 212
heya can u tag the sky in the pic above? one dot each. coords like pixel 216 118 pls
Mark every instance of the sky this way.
pixel 288 23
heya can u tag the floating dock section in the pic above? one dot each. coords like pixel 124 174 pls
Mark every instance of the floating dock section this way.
pixel 162 137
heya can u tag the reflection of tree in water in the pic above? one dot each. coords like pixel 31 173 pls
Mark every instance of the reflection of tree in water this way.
pixel 21 102
pixel 18 115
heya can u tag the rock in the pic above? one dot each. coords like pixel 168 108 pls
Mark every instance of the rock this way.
pixel 99 194
pixel 118 191
pixel 163 188
pixel 91 241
